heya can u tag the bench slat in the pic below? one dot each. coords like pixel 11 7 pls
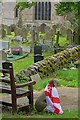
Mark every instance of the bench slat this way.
pixel 19 91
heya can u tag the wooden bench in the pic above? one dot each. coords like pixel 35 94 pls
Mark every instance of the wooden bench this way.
pixel 15 90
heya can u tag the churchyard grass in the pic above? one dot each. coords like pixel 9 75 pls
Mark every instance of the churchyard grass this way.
pixel 67 78
pixel 23 64
pixel 44 114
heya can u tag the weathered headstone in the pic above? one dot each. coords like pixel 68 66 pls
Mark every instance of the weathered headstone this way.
pixel 41 39
pixel 38 29
pixel 3 55
pixel 17 31
pixel 33 36
pixel 35 77
pixel 36 37
pixel 70 36
pixel 18 38
pixel 4 45
pixel 57 38
pixel 42 27
pixel 24 33
pixel 63 31
pixel 25 49
pixel 54 29
pixel 13 27
pixel 8 30
pixel 75 37
pixel 2 33
pixel 40 103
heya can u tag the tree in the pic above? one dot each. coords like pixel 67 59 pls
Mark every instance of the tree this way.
pixel 21 6
pixel 65 7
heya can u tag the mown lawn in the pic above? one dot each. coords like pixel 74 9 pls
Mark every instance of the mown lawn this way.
pixel 44 114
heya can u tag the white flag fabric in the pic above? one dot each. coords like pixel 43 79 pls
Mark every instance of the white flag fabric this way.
pixel 52 99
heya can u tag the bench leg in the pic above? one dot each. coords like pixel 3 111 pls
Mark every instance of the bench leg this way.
pixel 14 104
pixel 31 98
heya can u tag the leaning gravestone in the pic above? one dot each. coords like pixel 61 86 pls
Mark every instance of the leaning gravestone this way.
pixel 40 103
pixel 35 77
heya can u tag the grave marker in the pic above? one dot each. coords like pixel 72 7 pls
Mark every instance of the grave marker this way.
pixel 4 45
pixel 70 36
pixel 35 77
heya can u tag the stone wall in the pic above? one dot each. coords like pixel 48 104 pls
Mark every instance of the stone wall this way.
pixel 53 63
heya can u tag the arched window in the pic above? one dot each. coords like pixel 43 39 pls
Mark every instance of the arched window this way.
pixel 43 11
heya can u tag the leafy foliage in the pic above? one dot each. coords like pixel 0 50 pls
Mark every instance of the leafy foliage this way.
pixel 23 5
pixel 65 7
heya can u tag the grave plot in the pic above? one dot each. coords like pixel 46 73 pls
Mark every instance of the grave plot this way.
pixel 17 53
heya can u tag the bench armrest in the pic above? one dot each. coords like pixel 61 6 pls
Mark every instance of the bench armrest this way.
pixel 4 70
pixel 25 84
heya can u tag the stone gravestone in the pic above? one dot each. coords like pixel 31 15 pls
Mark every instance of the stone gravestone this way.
pixel 47 28
pixel 24 33
pixel 48 38
pixel 3 55
pixel 70 36
pixel 13 26
pixel 42 27
pixel 49 34
pixel 25 49
pixel 17 31
pixel 54 29
pixel 4 45
pixel 8 30
pixel 38 29
pixel 2 33
pixel 41 39
pixel 75 37
pixel 33 36
pixel 17 39
pixel 57 38
pixel 63 31
pixel 40 103
pixel 35 77
pixel 36 37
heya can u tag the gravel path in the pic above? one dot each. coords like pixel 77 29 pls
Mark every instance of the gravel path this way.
pixel 68 97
